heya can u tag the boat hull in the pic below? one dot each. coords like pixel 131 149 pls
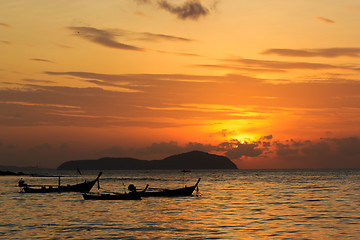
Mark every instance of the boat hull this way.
pixel 119 196
pixel 81 187
pixel 186 191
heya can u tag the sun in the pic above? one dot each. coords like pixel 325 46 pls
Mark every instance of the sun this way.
pixel 244 138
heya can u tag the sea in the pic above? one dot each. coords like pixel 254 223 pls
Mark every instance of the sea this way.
pixel 230 204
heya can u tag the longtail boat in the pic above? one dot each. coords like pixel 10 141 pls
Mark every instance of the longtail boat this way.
pixel 80 187
pixel 132 195
pixel 185 191
pixel 113 196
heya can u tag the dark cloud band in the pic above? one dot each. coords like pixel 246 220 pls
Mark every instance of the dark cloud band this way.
pixel 320 52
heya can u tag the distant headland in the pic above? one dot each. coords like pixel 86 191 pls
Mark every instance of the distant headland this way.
pixel 9 173
pixel 190 160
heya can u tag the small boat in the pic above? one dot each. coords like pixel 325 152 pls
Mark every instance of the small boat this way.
pixel 80 187
pixel 185 191
pixel 132 195
pixel 114 196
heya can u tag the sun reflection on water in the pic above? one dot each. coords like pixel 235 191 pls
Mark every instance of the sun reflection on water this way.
pixel 233 205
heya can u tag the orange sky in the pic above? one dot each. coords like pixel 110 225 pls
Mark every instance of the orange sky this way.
pixel 270 84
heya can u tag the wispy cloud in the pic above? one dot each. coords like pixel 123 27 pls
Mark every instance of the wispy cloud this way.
pixel 122 83
pixel 272 66
pixel 325 20
pixel 156 37
pixel 5 25
pixel 237 68
pixel 38 104
pixel 137 78
pixel 38 81
pixel 153 99
pixel 6 42
pixel 187 54
pixel 41 60
pixel 283 65
pixel 103 37
pixel 108 37
pixel 318 52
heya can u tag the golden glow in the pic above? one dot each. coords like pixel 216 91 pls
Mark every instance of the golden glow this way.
pixel 238 73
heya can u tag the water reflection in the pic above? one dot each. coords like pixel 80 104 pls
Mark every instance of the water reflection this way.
pixel 232 205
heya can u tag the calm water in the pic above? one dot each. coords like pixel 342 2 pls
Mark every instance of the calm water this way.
pixel 289 204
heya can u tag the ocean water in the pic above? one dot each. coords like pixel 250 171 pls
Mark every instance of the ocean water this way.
pixel 230 204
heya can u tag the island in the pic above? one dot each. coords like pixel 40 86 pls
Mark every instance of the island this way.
pixel 9 173
pixel 189 160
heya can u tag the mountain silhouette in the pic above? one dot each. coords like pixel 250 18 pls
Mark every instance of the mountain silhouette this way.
pixel 190 160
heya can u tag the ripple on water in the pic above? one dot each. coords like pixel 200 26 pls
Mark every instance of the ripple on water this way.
pixel 266 204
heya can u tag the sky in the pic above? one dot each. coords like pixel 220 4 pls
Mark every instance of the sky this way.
pixel 269 84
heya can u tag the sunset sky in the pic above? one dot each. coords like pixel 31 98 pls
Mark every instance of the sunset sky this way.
pixel 270 84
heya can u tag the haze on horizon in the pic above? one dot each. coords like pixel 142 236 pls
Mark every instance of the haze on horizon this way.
pixel 269 84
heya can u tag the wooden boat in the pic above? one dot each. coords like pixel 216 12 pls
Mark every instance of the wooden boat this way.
pixel 114 196
pixel 185 191
pixel 81 187
pixel 132 195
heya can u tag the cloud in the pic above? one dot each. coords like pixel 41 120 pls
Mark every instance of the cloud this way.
pixel 41 60
pixel 232 149
pixel 108 38
pixel 268 137
pixel 237 150
pixel 320 52
pixel 266 64
pixel 156 37
pixel 38 81
pixel 157 150
pixel 224 133
pixel 163 148
pixel 116 87
pixel 324 153
pixel 172 100
pixel 5 25
pixel 284 150
pixel 123 83
pixel 319 94
pixel 137 78
pixel 103 37
pixel 5 42
pixel 346 146
pixel 189 9
pixel 237 67
pixel 142 1
pixel 325 20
